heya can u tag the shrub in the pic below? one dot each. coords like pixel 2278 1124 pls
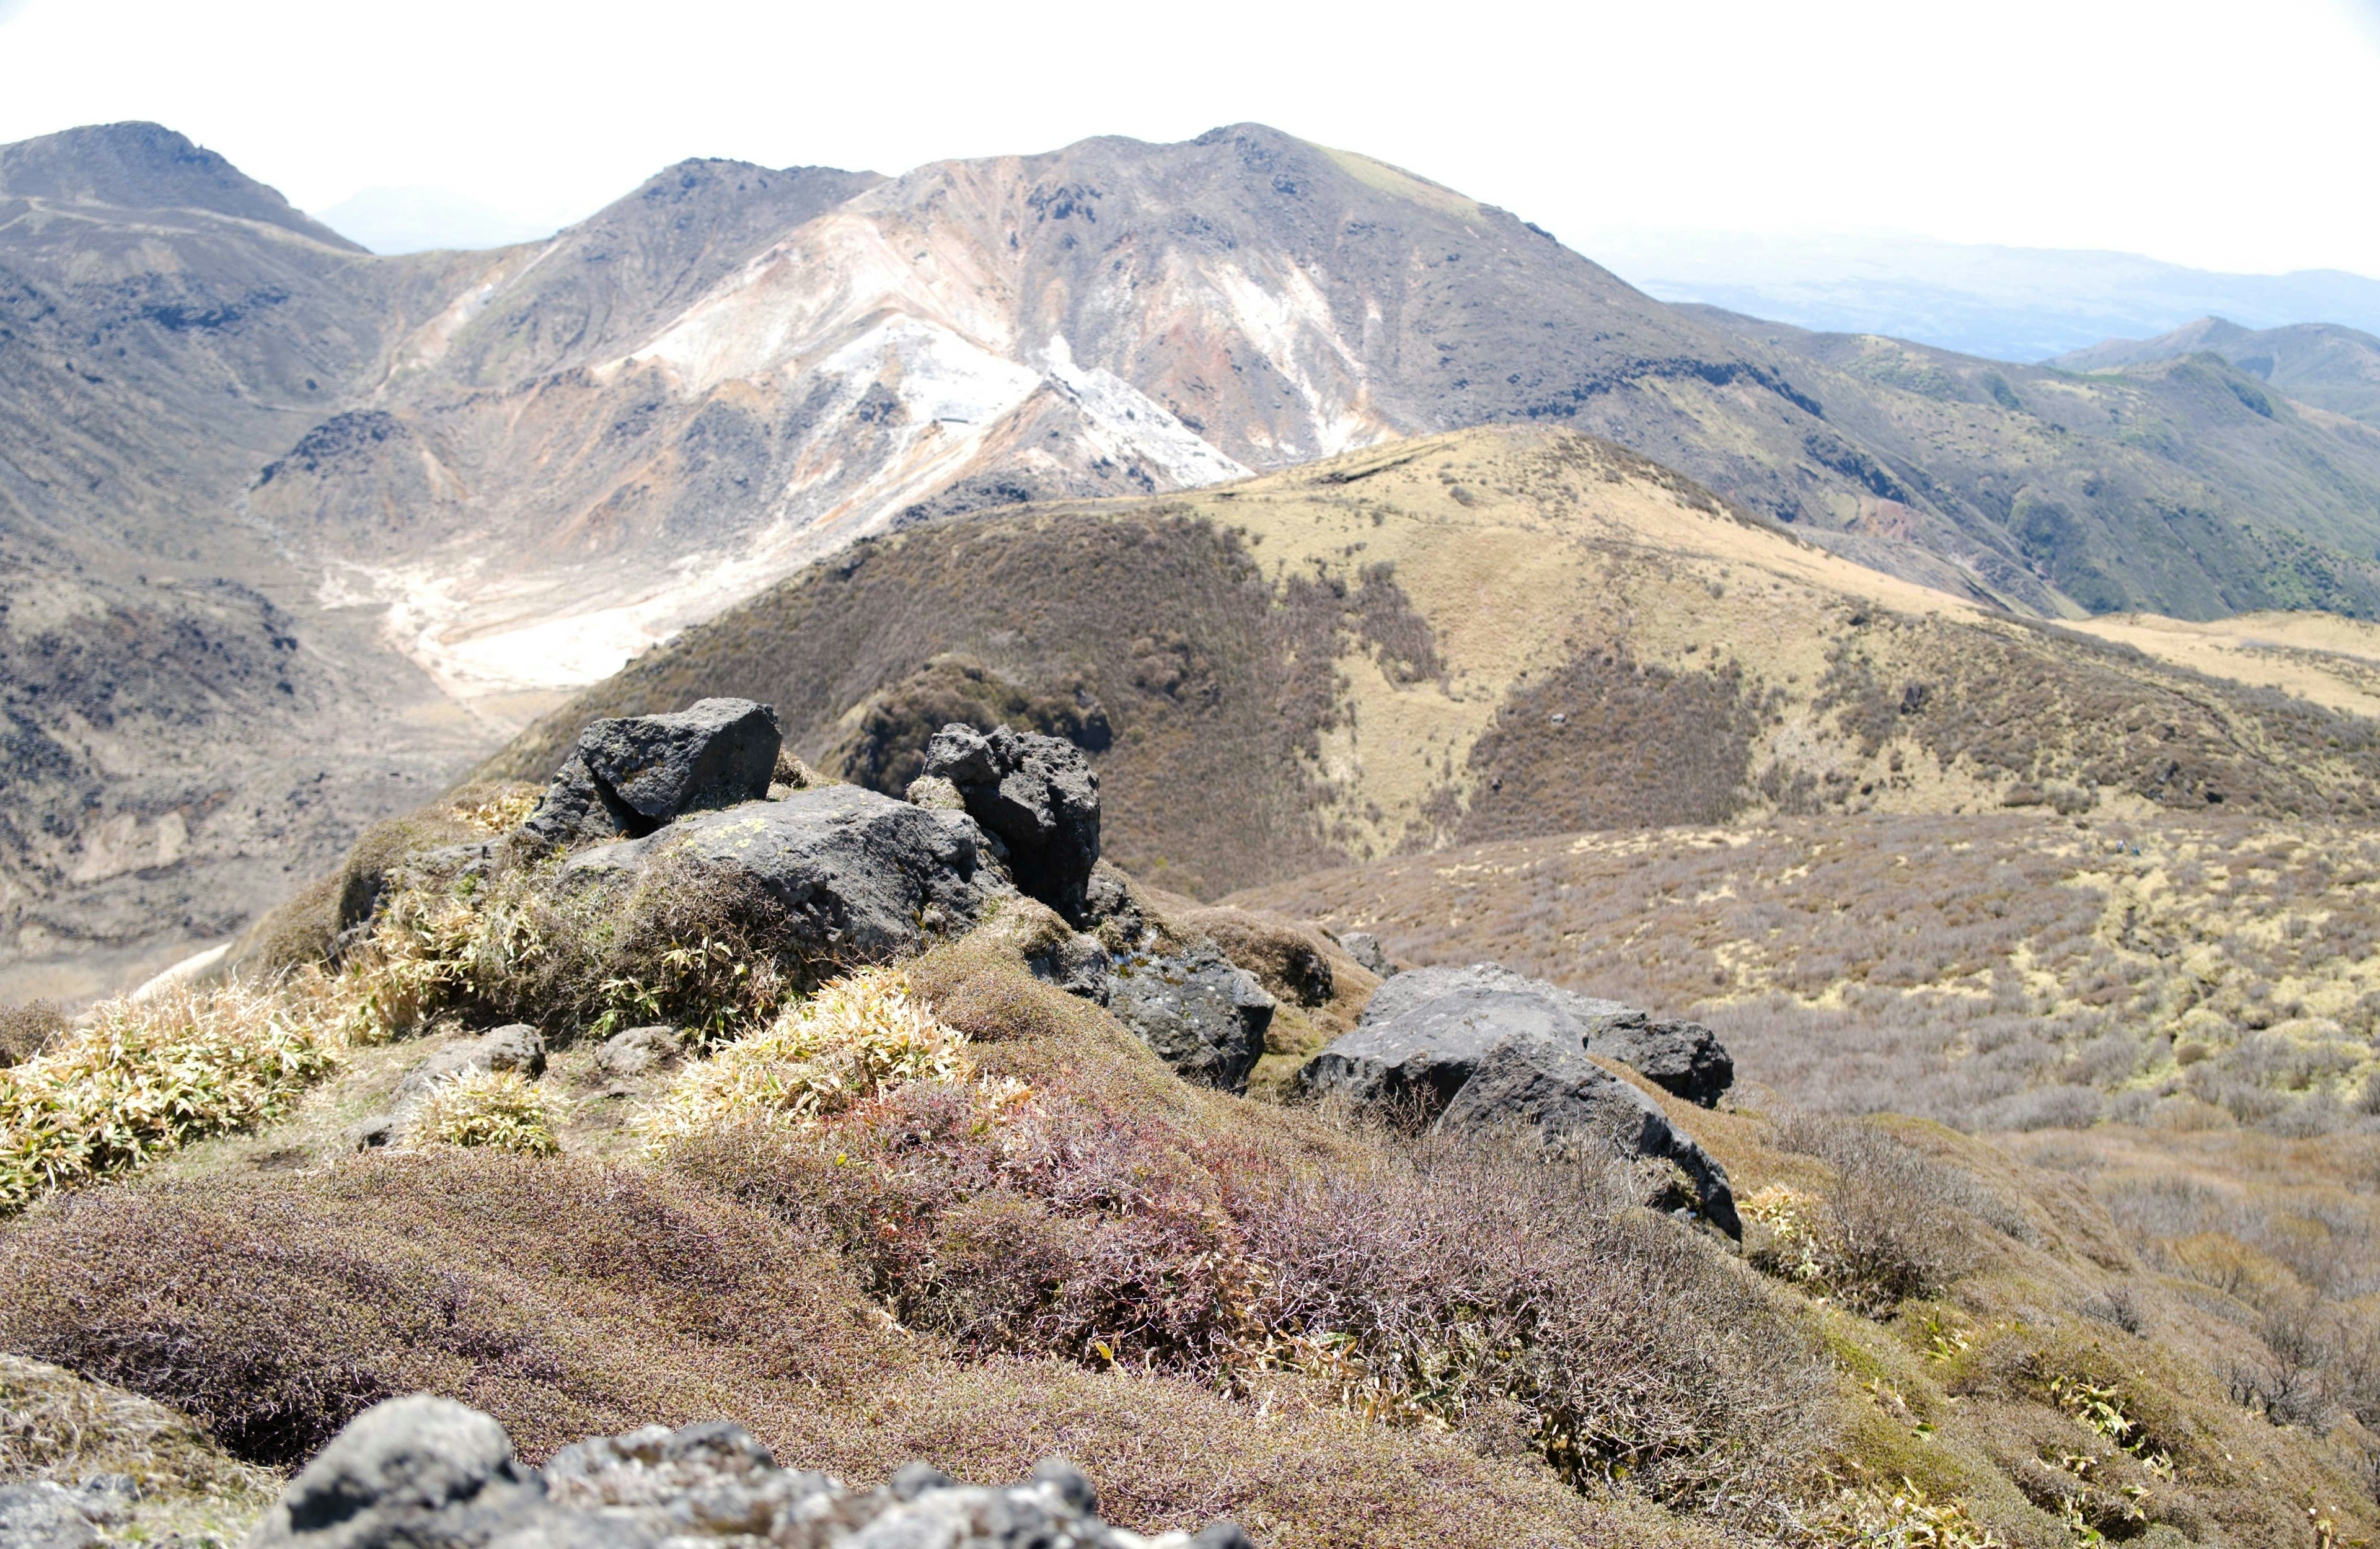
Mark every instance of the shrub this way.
pixel 855 1037
pixel 1446 1280
pixel 691 946
pixel 143 1077
pixel 499 1109
pixel 1887 1231
pixel 27 1030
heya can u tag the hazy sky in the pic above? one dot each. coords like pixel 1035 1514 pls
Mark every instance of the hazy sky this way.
pixel 2227 135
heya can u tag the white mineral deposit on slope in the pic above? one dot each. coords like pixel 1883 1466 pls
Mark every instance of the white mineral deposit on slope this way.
pixel 1291 324
pixel 1126 422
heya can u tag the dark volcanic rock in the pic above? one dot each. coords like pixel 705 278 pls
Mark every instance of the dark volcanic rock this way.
pixel 864 877
pixel 1038 795
pixel 1204 1017
pixel 1487 1048
pixel 631 774
pixel 1445 1009
pixel 634 1050
pixel 430 1473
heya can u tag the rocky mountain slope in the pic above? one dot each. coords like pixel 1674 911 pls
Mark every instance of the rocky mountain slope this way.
pixel 461 483
pixel 1492 634
pixel 2322 364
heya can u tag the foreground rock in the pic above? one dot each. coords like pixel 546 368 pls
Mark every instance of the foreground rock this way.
pixel 1038 795
pixel 861 877
pixel 518 1048
pixel 1203 1016
pixel 629 775
pixel 1684 1058
pixel 1486 1049
pixel 418 1472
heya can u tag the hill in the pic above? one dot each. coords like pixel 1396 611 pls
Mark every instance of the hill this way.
pixel 2322 364
pixel 461 484
pixel 1493 634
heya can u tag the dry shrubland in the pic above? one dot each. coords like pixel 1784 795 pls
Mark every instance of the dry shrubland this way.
pixel 2010 971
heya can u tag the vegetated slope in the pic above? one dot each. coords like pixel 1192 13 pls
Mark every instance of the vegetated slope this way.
pixel 1117 318
pixel 2323 364
pixel 2187 486
pixel 1494 633
pixel 518 467
pixel 1991 971
pixel 186 726
pixel 1028 1236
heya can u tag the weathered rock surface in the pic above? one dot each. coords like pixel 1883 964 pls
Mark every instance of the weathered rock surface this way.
pixel 631 774
pixel 1365 949
pixel 1487 1048
pixel 863 878
pixel 1038 795
pixel 634 1050
pixel 515 1047
pixel 1443 1008
pixel 1203 1016
pixel 518 1047
pixel 430 1473
pixel 43 1515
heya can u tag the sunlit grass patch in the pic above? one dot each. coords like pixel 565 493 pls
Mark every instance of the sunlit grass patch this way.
pixel 143 1077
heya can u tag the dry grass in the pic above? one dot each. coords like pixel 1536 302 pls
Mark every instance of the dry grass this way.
pixel 497 1108
pixel 140 1079
pixel 2003 971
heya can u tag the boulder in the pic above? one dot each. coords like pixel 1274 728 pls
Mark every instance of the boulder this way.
pixel 1484 1047
pixel 43 1515
pixel 1432 1007
pixel 1038 795
pixel 516 1047
pixel 1684 1058
pixel 1365 949
pixel 863 876
pixel 430 1473
pixel 1287 958
pixel 1203 1016
pixel 634 1050
pixel 629 775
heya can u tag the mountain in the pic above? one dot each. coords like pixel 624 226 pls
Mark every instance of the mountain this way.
pixel 2004 303
pixel 1496 633
pixel 143 166
pixel 462 484
pixel 2322 364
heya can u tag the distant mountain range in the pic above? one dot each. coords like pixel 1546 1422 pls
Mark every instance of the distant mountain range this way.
pixel 2323 364
pixel 399 498
pixel 2022 304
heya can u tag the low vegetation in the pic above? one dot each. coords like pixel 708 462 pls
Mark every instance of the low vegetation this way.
pixel 2004 972
pixel 138 1079
pixel 499 1109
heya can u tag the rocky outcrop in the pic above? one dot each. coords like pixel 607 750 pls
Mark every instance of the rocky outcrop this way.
pixel 1442 1004
pixel 632 1051
pixel 518 1048
pixel 418 1472
pixel 629 775
pixel 1485 1048
pixel 1365 949
pixel 1203 1016
pixel 862 877
pixel 1037 795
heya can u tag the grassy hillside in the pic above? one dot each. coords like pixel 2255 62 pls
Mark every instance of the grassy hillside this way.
pixel 1496 633
pixel 1025 1235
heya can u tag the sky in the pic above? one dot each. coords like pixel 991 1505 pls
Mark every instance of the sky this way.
pixel 2222 135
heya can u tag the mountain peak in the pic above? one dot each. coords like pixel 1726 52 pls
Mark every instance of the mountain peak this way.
pixel 139 165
